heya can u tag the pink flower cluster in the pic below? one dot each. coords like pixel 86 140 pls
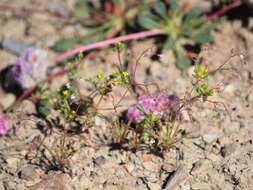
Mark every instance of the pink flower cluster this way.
pixel 30 67
pixel 157 105
pixel 4 128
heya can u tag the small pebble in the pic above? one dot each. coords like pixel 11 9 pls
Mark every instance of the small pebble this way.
pixel 230 90
pixel 28 173
pixel 12 162
pixel 210 137
pixel 14 46
pixel 58 7
pixel 99 160
pixel 228 150
pixel 250 97
pixel 130 167
pixel 7 100
pixel 186 187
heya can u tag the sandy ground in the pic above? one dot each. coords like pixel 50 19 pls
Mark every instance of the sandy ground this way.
pixel 218 156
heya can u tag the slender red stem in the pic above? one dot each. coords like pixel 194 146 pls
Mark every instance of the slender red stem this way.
pixel 224 9
pixel 105 43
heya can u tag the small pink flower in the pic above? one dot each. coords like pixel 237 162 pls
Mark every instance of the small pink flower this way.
pixel 147 102
pixel 30 67
pixel 4 128
pixel 174 103
pixel 162 103
pixel 157 105
pixel 134 114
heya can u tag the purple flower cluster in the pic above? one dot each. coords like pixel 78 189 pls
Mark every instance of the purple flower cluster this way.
pixel 4 128
pixel 30 67
pixel 157 105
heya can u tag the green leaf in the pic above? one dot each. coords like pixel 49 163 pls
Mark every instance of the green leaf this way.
pixel 169 44
pixel 160 9
pixel 194 13
pixel 148 20
pixel 65 44
pixel 183 62
pixel 43 108
pixel 173 6
pixel 82 9
pixel 203 35
pixel 93 36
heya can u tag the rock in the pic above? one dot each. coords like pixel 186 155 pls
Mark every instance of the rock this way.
pixel 190 71
pixel 58 7
pixel 230 90
pixel 53 182
pixel 150 166
pixel 28 173
pixel 6 59
pixel 199 167
pixel 234 127
pixel 154 186
pixel 14 46
pixel 210 138
pixel 146 157
pixel 98 121
pixel 84 182
pixel 198 186
pixel 12 162
pixel 196 167
pixel 13 28
pixel 167 58
pixel 250 97
pixel 7 100
pixel 228 149
pixel 9 185
pixel 155 69
pixel 130 167
pixel 176 178
pixel 1 185
pixel 99 160
pixel 186 187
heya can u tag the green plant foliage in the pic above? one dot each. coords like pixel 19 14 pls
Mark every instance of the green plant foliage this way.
pixel 178 24
pixel 200 84
pixel 105 19
pixel 109 18
pixel 43 108
pixel 155 120
pixel 94 35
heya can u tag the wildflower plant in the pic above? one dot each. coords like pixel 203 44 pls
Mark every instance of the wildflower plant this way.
pixel 58 157
pixel 74 108
pixel 156 120
pixel 119 77
pixel 104 18
pixel 180 25
pixel 30 68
